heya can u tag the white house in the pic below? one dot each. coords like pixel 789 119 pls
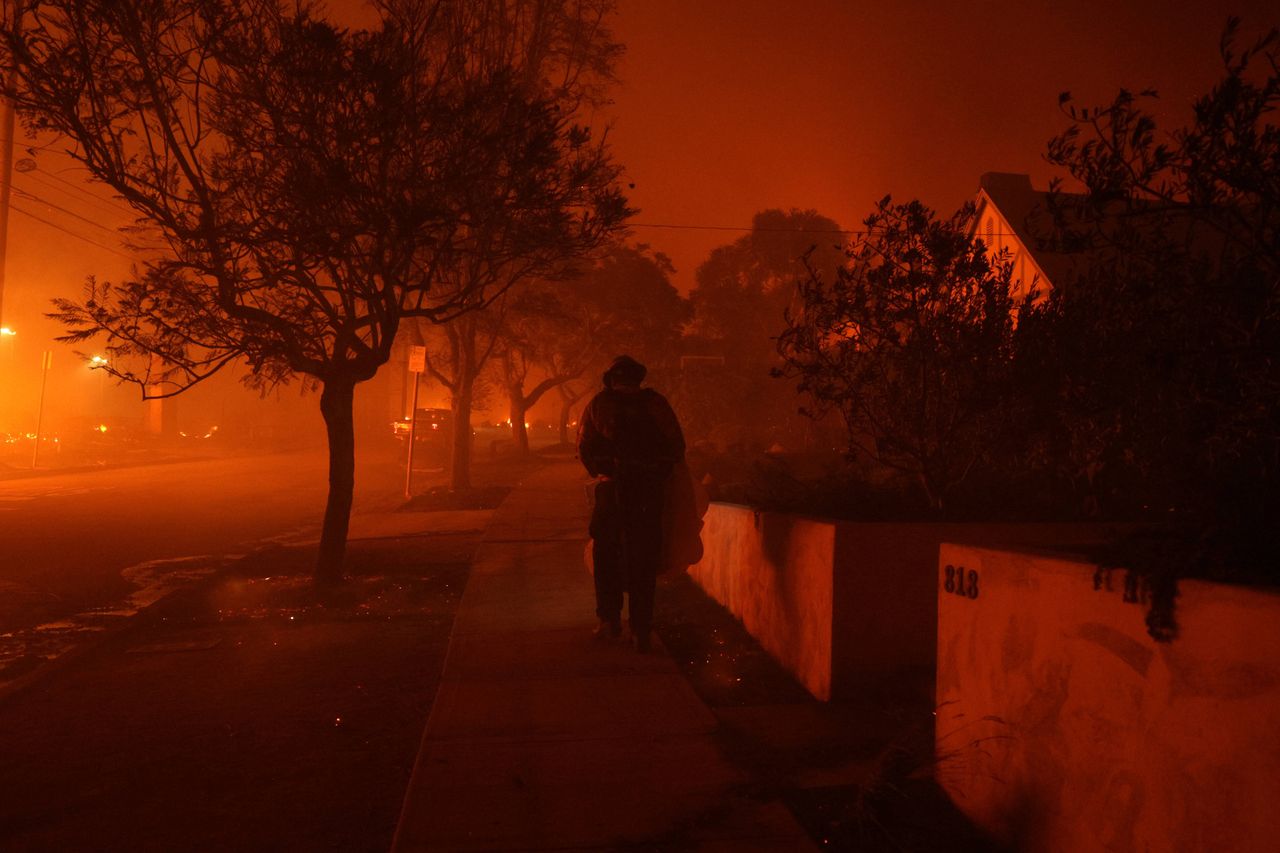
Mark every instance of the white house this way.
pixel 1013 216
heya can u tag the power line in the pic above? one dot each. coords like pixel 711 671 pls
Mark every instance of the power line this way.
pixel 88 197
pixel 683 227
pixel 121 208
pixel 118 210
pixel 664 225
pixel 747 229
pixel 59 207
pixel 75 234
pixel 41 200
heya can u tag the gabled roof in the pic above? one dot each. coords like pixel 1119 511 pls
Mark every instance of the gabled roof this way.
pixel 1026 210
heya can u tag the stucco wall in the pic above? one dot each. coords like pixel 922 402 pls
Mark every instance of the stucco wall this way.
pixel 843 605
pixel 774 572
pixel 1063 727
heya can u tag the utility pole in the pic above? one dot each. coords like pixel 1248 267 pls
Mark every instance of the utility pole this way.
pixel 45 363
pixel 18 9
pixel 7 124
pixel 6 178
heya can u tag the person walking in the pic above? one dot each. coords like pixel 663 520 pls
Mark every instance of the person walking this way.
pixel 629 439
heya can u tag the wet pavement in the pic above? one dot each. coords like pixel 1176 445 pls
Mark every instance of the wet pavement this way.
pixel 247 711
pixel 84 551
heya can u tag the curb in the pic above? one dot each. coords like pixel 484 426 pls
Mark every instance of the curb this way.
pixel 144 617
pixel 444 665
pixel 39 473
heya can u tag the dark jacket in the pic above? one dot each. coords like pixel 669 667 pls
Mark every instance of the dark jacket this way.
pixel 626 430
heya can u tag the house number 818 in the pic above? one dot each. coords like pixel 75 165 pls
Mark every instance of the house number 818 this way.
pixel 961 581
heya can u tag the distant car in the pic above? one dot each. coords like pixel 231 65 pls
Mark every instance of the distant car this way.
pixel 432 434
pixel 199 433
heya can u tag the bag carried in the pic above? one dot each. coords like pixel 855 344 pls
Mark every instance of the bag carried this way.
pixel 686 504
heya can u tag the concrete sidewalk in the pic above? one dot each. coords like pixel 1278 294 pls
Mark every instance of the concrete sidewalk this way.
pixel 541 739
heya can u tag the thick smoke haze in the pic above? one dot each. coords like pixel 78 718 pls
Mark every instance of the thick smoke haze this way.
pixel 728 107
pixel 702 429
pixel 723 108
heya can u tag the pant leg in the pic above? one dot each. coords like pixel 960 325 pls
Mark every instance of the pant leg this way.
pixel 643 538
pixel 606 552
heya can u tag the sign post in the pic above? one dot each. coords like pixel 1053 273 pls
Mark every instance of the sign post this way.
pixel 417 364
pixel 46 361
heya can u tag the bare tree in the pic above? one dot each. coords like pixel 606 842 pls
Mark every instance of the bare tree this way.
pixel 571 393
pixel 564 362
pixel 556 333
pixel 536 321
pixel 314 187
pixel 457 354
pixel 564 51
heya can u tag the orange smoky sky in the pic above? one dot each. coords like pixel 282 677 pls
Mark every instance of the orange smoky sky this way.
pixel 724 108
pixel 727 107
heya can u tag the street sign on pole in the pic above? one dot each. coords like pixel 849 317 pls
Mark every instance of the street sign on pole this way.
pixel 417 364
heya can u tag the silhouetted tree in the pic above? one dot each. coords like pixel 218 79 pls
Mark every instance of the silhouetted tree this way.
pixel 458 353
pixel 1163 353
pixel 314 186
pixel 911 341
pixel 571 393
pixel 629 305
pixel 562 50
pixel 742 292
pixel 560 332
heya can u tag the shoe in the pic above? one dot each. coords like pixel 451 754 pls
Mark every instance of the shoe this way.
pixel 608 629
pixel 643 642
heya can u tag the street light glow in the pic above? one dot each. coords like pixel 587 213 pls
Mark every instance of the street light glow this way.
pixel 5 330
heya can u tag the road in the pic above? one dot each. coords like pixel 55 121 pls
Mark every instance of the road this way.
pixel 71 543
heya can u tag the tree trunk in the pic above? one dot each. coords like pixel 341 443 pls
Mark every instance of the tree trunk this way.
pixel 336 406
pixel 565 408
pixel 519 435
pixel 568 399
pixel 460 452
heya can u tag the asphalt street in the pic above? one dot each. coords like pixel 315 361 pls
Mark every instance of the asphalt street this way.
pixel 70 543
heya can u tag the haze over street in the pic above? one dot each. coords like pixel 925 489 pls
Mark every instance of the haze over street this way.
pixel 69 537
